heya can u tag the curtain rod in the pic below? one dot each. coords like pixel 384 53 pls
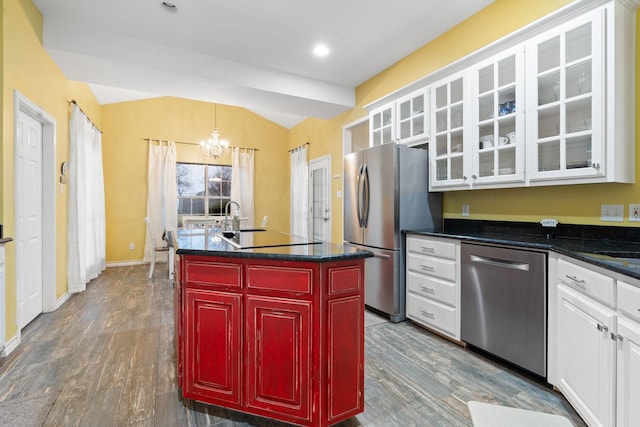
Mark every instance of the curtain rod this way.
pixel 193 143
pixel 73 101
pixel 299 147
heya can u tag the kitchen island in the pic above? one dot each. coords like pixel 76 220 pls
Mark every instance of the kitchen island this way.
pixel 270 324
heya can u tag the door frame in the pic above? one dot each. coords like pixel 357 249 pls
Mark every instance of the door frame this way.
pixel 22 105
pixel 320 161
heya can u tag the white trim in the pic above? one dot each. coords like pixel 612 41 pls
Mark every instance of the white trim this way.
pixel 49 178
pixel 128 263
pixel 11 345
pixel 62 300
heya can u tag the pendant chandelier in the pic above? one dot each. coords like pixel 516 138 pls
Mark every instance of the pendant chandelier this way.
pixel 214 146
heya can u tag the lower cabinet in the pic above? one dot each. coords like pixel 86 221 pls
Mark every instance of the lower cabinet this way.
pixel 433 283
pixel 280 340
pixel 596 331
pixel 586 356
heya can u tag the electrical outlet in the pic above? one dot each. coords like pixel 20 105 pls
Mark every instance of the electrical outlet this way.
pixel 131 246
pixel 612 213
pixel 465 210
pixel 634 212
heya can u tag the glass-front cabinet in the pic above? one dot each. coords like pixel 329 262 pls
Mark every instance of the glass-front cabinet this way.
pixel 412 117
pixel 566 101
pixel 447 145
pixel 404 121
pixel 497 147
pixel 382 125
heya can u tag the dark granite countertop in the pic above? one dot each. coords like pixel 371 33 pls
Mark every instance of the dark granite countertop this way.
pixel 613 248
pixel 5 240
pixel 274 245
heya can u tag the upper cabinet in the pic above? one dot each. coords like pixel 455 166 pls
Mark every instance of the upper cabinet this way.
pixel 552 103
pixel 566 101
pixel 403 121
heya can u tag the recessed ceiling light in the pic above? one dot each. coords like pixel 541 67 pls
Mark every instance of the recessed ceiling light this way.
pixel 169 5
pixel 321 50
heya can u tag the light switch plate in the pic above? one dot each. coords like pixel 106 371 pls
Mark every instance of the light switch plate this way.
pixel 634 212
pixel 613 213
pixel 465 210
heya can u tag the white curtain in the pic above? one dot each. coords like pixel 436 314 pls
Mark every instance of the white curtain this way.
pixel 242 171
pixel 162 200
pixel 299 192
pixel 86 243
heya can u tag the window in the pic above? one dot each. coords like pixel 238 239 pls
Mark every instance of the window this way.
pixel 201 185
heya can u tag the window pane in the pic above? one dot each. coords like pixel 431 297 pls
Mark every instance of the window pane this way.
pixel 190 179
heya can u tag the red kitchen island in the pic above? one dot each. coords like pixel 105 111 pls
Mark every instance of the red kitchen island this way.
pixel 270 324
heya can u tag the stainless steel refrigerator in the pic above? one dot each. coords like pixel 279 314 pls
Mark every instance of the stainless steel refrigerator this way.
pixel 385 192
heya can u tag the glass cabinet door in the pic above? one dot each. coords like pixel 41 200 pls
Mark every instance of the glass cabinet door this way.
pixel 447 143
pixel 381 125
pixel 413 117
pixel 566 100
pixel 498 134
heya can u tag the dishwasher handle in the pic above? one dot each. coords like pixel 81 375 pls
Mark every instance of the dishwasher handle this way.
pixel 514 265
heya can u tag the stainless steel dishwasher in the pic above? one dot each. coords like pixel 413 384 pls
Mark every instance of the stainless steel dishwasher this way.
pixel 504 304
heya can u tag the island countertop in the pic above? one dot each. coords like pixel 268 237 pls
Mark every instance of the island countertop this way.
pixel 264 244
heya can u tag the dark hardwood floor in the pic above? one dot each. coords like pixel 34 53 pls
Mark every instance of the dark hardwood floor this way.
pixel 107 358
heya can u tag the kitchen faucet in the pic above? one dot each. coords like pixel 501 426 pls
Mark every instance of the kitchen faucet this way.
pixel 225 226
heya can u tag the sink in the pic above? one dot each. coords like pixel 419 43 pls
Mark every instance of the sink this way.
pixel 231 234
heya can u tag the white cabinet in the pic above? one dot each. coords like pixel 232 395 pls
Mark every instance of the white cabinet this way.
pixel 628 356
pixel 586 356
pixel 497 139
pixel 433 283
pixel 575 134
pixel 448 162
pixel 403 121
pixel 2 300
pixel 594 348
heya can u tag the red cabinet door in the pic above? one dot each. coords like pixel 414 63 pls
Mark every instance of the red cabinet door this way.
pixel 212 347
pixel 279 357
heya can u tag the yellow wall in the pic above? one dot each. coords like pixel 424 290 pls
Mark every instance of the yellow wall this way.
pixel 577 204
pixel 29 69
pixel 126 160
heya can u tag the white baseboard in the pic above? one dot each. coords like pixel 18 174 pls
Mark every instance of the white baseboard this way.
pixel 11 345
pixel 62 300
pixel 126 263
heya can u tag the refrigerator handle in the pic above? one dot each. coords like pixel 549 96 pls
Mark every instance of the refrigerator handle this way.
pixel 365 197
pixel 359 195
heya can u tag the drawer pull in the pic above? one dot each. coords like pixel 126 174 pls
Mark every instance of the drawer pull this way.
pixel 602 328
pixel 427 249
pixel 425 313
pixel 578 282
pixel 427 290
pixel 427 268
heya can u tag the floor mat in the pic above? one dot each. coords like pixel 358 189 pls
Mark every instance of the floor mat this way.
pixel 26 412
pixel 488 415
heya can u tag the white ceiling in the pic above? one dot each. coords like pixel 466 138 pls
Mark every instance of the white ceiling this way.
pixel 249 53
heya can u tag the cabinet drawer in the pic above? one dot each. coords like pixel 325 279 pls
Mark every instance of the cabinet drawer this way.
pixel 437 248
pixel 430 287
pixel 432 314
pixel 629 300
pixel 276 278
pixel 211 273
pixel 588 282
pixel 443 268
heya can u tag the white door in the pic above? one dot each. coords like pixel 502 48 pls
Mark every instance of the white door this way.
pixel 320 199
pixel 28 219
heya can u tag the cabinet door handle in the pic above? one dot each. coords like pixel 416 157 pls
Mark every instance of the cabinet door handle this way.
pixel 426 314
pixel 616 337
pixel 602 328
pixel 578 282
